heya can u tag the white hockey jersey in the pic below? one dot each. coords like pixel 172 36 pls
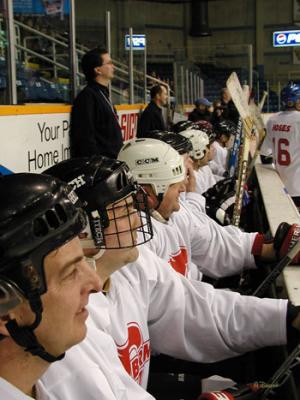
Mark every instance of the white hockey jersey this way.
pixel 220 155
pixel 152 307
pixel 10 392
pixel 149 306
pixel 92 369
pixel 283 137
pixel 196 245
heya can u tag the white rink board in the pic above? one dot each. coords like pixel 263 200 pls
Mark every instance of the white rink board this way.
pixel 32 143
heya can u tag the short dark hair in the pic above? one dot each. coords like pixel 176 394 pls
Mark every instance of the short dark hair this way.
pixel 156 89
pixel 91 60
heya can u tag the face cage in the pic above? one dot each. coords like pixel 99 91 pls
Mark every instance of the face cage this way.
pixel 134 207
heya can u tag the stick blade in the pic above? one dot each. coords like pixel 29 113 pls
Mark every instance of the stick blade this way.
pixel 238 95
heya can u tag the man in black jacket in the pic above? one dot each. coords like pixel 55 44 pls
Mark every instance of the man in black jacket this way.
pixel 151 118
pixel 94 123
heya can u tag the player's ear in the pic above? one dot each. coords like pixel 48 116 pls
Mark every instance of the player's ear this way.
pixel 3 330
pixel 151 197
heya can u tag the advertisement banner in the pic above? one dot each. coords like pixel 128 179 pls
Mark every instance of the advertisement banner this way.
pixel 34 142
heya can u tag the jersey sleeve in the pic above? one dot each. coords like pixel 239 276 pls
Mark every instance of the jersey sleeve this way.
pixel 214 249
pixel 193 321
pixel 266 148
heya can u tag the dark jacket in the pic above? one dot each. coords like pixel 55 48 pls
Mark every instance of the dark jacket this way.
pixel 151 119
pixel 230 112
pixel 197 115
pixel 94 125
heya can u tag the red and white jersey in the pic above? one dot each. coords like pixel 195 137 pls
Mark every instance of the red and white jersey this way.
pixel 196 245
pixel 205 179
pixel 220 155
pixel 217 169
pixel 197 200
pixel 283 137
pixel 92 369
pixel 150 306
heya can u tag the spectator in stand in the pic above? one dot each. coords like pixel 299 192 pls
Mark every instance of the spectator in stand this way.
pixel 230 112
pixel 217 115
pixel 95 129
pixel 201 111
pixel 151 118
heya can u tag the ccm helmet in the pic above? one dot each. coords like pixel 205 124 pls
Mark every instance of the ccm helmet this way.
pixel 153 162
pixel 199 142
pixel 38 214
pixel 179 143
pixel 101 183
pixel 289 95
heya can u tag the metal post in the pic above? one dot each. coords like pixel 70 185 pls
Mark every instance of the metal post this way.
pixel 130 69
pixel 250 54
pixel 188 100
pixel 182 84
pixel 195 87
pixel 257 88
pixel 268 96
pixel 278 94
pixel 11 48
pixel 145 72
pixel 175 80
pixel 73 55
pixel 191 84
pixel 108 41
pixel 201 88
pixel 54 59
pixel 198 87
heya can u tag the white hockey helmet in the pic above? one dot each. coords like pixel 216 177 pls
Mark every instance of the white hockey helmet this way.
pixel 153 162
pixel 199 140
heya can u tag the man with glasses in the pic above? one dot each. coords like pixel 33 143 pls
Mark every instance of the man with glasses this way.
pixel 95 129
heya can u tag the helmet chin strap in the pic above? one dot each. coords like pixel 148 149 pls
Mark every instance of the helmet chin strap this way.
pixel 24 335
pixel 87 242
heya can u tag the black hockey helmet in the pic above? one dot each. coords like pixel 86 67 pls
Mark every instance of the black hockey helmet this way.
pixel 179 143
pixel 38 214
pixel 100 182
pixel 182 126
pixel 225 127
pixel 204 126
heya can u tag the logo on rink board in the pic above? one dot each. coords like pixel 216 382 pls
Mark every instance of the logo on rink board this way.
pixel 286 38
pixel 135 352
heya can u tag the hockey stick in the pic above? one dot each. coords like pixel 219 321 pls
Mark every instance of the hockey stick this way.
pixel 260 126
pixel 276 271
pixel 238 97
pixel 283 372
pixel 232 162
pixel 262 101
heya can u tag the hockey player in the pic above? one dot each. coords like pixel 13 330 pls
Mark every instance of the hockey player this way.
pixel 223 131
pixel 200 155
pixel 283 140
pixel 149 306
pixel 185 241
pixel 45 282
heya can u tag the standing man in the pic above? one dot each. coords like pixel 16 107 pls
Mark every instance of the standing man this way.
pixel 283 140
pixel 229 110
pixel 151 118
pixel 95 127
pixel 45 281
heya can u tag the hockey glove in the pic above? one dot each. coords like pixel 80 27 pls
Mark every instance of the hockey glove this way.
pixel 285 238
